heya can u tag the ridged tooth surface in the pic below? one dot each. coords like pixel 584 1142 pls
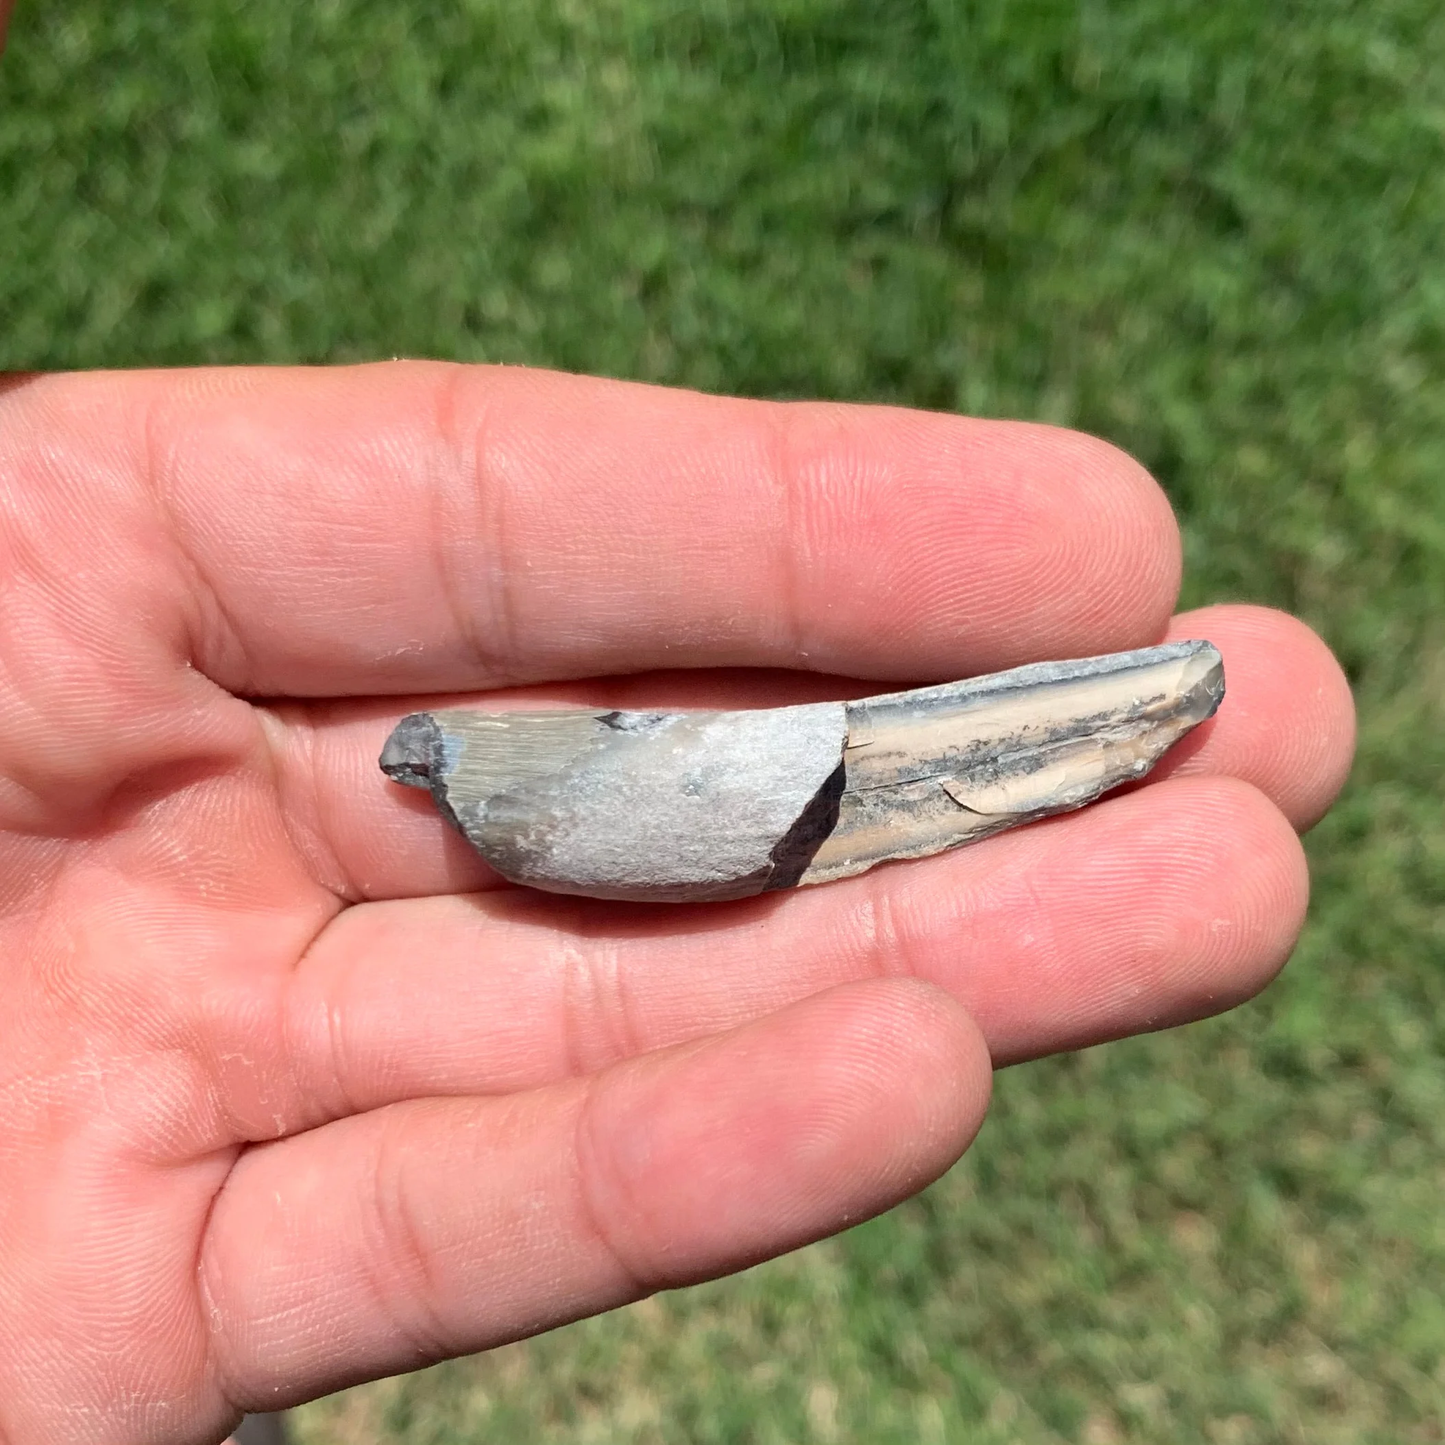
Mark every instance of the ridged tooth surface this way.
pixel 675 807
pixel 936 767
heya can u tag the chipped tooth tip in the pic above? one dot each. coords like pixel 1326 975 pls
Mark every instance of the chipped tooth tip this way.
pixel 408 754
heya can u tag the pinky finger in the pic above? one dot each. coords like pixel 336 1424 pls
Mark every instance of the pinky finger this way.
pixel 439 1227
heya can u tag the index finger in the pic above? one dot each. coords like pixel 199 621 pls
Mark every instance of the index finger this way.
pixel 412 527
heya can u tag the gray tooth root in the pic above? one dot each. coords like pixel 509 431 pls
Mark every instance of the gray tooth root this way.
pixel 680 807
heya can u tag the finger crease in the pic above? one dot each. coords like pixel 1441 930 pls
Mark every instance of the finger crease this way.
pixel 470 474
pixel 635 1282
pixel 298 1029
pixel 597 1022
pixel 890 941
pixel 787 483
pixel 397 1267
pixel 287 728
pixel 201 649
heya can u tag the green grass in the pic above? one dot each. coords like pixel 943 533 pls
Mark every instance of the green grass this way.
pixel 1211 232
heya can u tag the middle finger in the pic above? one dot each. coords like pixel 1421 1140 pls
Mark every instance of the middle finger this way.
pixel 1146 910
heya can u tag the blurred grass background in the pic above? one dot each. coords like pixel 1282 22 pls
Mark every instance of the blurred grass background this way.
pixel 1212 233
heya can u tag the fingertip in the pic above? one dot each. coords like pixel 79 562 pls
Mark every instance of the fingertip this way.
pixel 1250 929
pixel 904 1065
pixel 922 1041
pixel 1228 888
pixel 1148 910
pixel 945 545
pixel 785 1130
pixel 1287 723
pixel 1124 548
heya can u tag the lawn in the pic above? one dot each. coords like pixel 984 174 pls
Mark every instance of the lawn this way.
pixel 1212 233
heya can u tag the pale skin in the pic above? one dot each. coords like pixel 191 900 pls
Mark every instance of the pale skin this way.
pixel 295 1093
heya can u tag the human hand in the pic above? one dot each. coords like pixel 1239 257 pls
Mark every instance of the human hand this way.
pixel 295 1093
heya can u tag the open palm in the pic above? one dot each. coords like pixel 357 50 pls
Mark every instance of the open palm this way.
pixel 294 1093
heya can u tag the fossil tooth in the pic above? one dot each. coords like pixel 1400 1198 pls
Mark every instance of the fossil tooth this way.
pixel 690 806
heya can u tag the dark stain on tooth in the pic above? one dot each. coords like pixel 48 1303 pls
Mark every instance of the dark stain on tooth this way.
pixel 799 845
